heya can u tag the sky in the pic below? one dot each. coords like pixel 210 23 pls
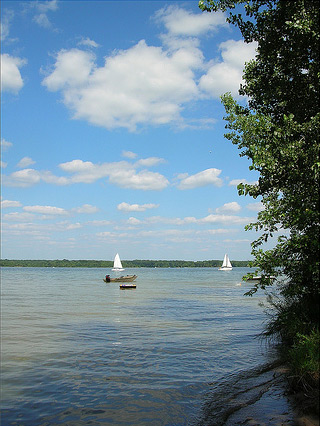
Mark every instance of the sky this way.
pixel 112 132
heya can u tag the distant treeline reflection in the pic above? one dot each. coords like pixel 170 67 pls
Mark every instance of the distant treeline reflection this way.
pixel 65 263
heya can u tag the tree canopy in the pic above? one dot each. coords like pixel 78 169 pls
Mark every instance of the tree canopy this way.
pixel 278 130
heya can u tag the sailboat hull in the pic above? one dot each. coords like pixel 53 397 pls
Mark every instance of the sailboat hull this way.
pixel 226 264
pixel 117 265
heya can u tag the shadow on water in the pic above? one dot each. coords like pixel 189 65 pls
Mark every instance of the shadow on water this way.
pixel 252 397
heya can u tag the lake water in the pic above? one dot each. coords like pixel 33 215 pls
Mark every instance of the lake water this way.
pixel 77 351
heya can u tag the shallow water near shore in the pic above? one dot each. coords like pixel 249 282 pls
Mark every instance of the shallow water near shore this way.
pixel 78 351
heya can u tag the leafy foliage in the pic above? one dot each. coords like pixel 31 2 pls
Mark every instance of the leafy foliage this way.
pixel 278 130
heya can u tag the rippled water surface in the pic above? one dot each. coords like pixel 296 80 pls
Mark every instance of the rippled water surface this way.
pixel 78 351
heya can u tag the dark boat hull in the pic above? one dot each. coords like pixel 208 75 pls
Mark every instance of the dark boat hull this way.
pixel 126 278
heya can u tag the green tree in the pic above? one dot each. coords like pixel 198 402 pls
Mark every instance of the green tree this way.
pixel 278 130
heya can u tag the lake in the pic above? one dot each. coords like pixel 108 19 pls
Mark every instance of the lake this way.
pixel 79 351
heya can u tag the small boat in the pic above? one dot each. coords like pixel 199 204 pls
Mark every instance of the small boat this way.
pixel 127 286
pixel 117 265
pixel 255 278
pixel 226 264
pixel 258 278
pixel 123 278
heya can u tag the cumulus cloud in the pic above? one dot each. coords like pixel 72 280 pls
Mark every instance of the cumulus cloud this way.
pixel 149 162
pixel 232 207
pixel 17 217
pixel 138 86
pixel 141 85
pixel 129 154
pixel 136 207
pixel 179 21
pixel 236 182
pixel 226 75
pixel 87 209
pixel 5 144
pixel 88 42
pixel 42 8
pixel 122 174
pixel 22 178
pixel 223 219
pixel 149 85
pixel 25 162
pixel 226 219
pixel 204 178
pixel 11 80
pixel 255 207
pixel 72 71
pixel 133 221
pixel 5 24
pixel 8 203
pixel 51 210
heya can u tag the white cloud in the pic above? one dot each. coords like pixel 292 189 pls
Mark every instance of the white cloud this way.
pixel 7 203
pixel 179 21
pixel 206 177
pixel 17 217
pixel 227 219
pixel 136 207
pixel 190 220
pixel 139 86
pixel 236 182
pixel 5 24
pixel 71 226
pixel 255 207
pixel 71 73
pixel 232 207
pixel 226 76
pixel 129 154
pixel 29 177
pixel 86 209
pixel 45 210
pixel 149 162
pixel 11 79
pixel 133 221
pixel 143 180
pixel 3 164
pixel 5 144
pixel 88 42
pixel 46 6
pixel 22 178
pixel 25 162
pixel 42 8
pixel 120 173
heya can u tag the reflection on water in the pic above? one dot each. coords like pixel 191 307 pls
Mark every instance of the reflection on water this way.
pixel 78 351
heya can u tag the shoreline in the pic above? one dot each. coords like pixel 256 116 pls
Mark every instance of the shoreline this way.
pixel 274 404
pixel 258 397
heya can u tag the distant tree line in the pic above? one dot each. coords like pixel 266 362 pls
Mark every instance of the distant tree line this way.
pixel 65 263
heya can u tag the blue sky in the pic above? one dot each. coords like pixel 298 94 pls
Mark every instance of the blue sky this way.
pixel 112 132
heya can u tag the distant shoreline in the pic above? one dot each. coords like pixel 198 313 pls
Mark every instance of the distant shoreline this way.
pixel 65 263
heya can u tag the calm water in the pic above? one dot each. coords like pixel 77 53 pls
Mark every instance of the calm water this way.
pixel 78 351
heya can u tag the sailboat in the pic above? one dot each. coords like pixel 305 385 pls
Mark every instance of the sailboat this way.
pixel 226 265
pixel 117 265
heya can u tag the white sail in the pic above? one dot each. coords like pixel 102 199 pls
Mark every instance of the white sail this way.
pixel 117 265
pixel 226 264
